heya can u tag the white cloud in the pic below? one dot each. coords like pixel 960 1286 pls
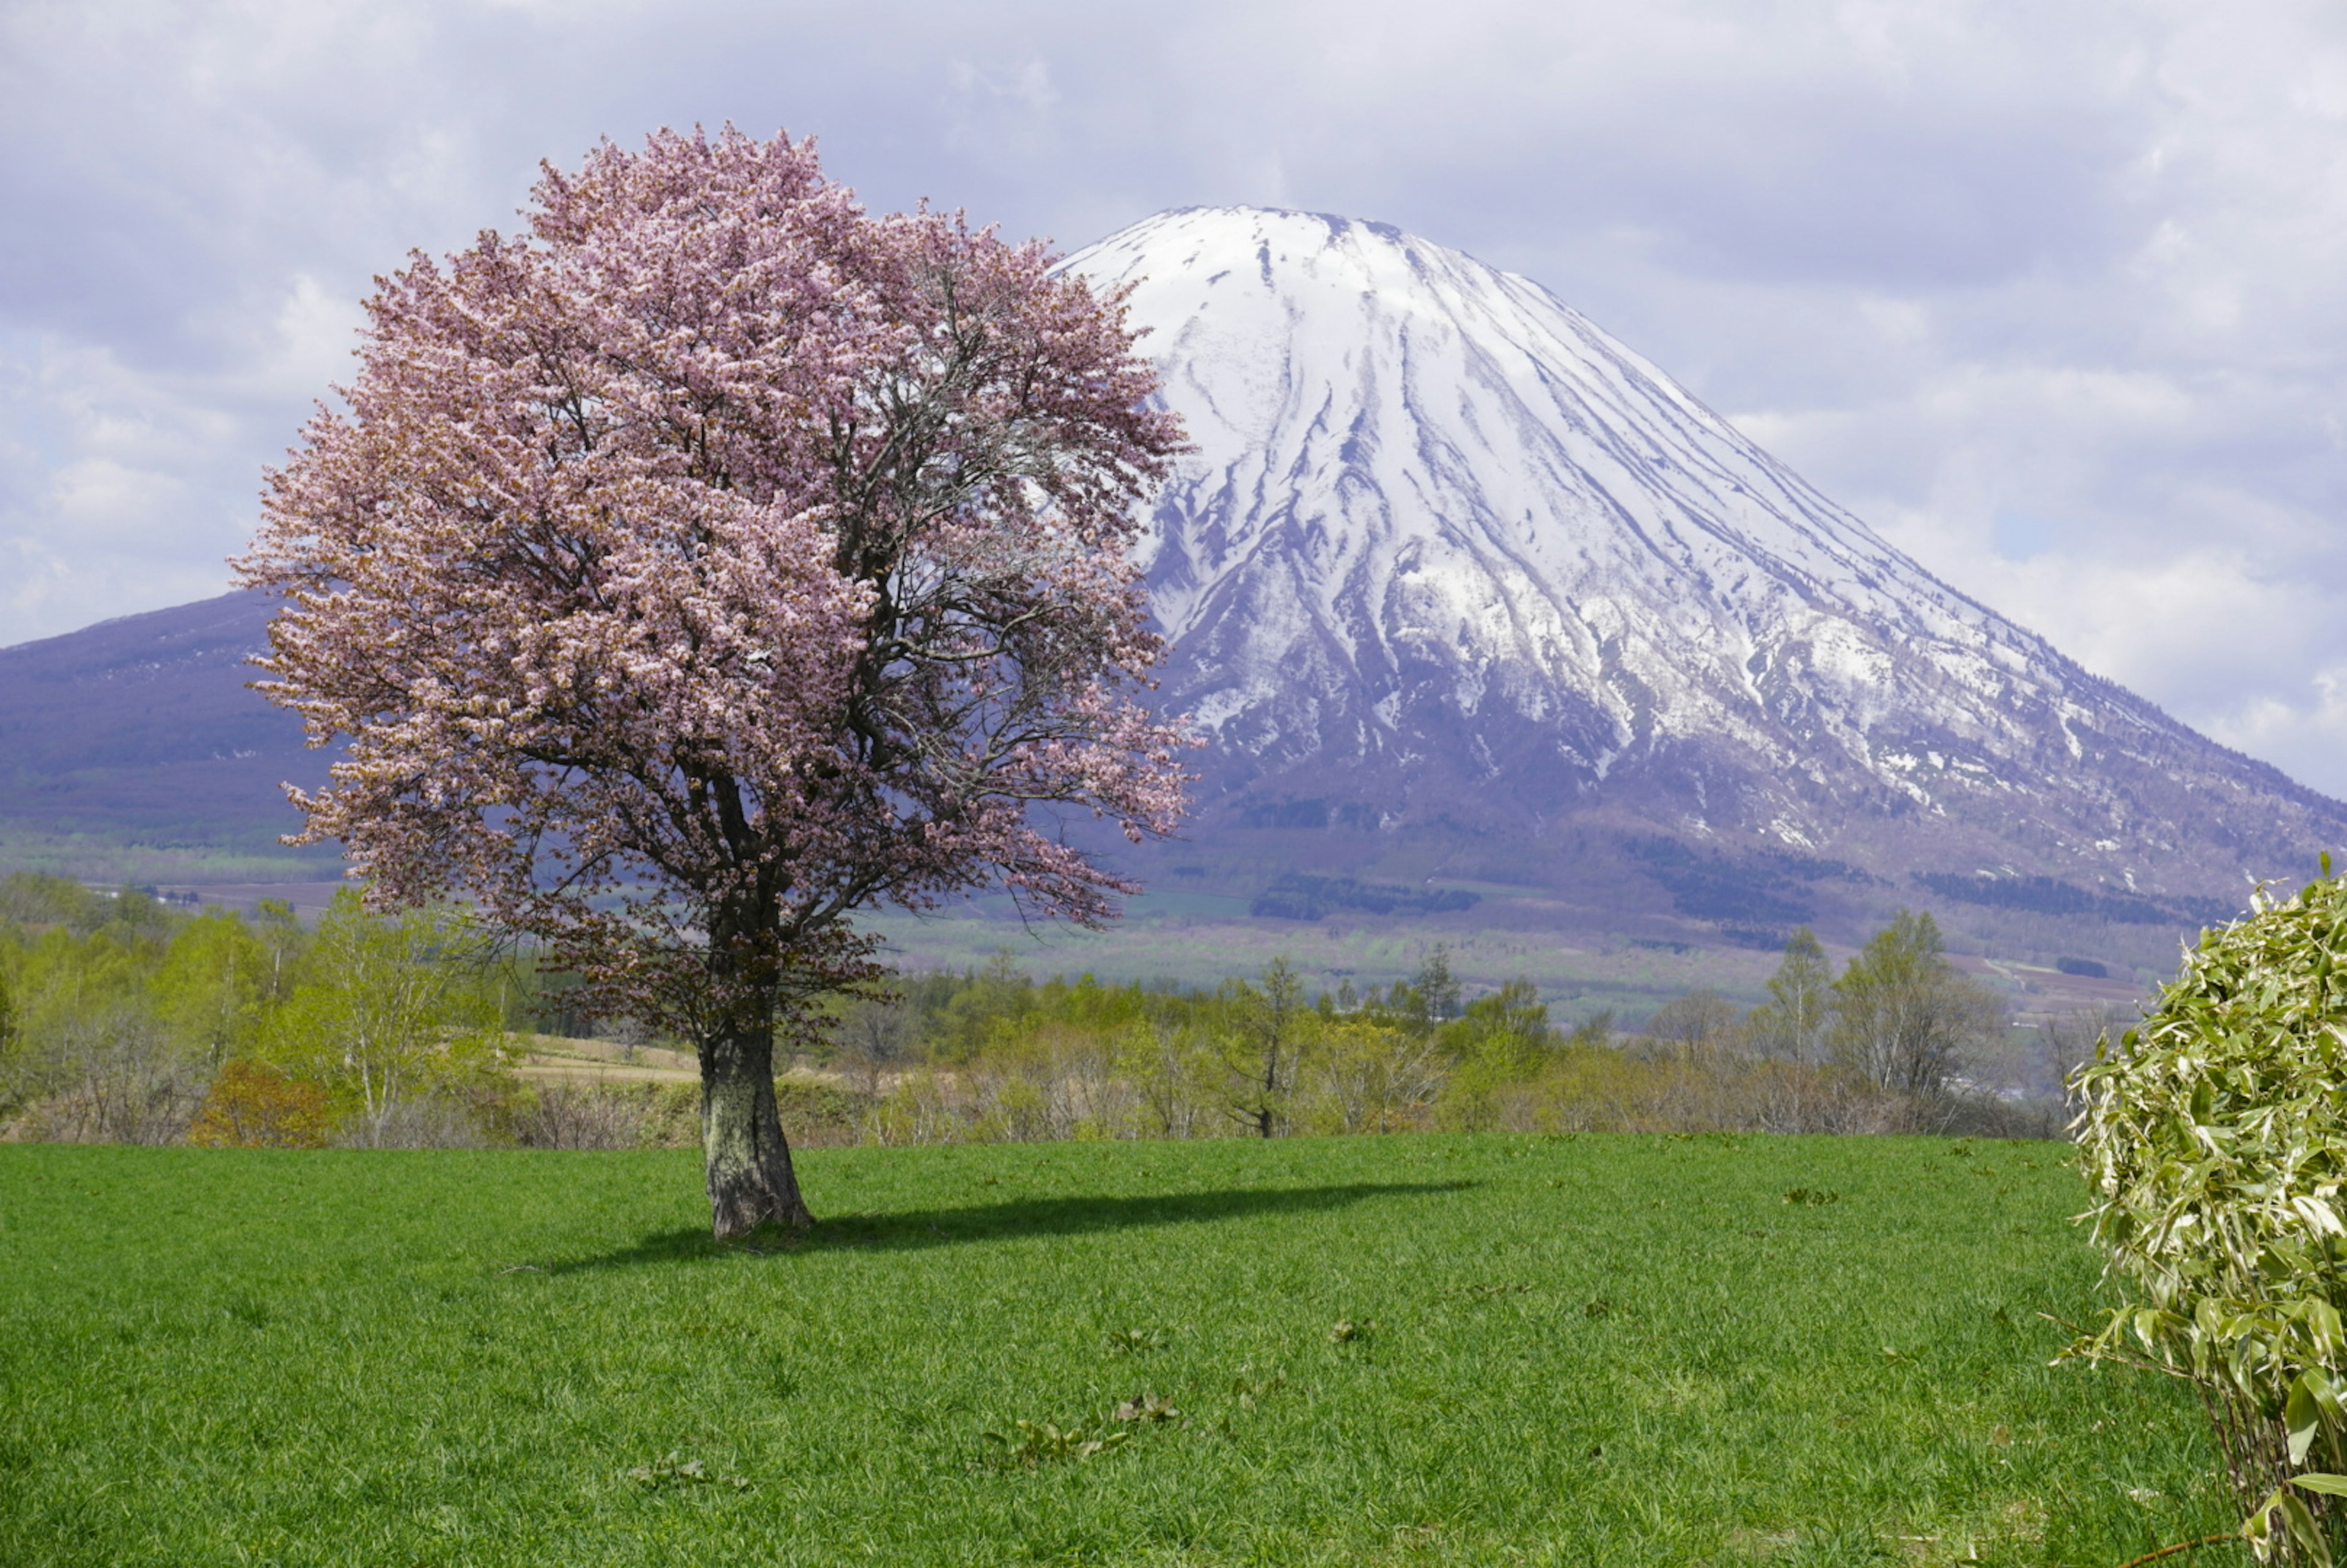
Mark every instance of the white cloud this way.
pixel 2082 269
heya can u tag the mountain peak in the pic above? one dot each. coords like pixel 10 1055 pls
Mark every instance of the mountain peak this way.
pixel 1338 333
pixel 1445 552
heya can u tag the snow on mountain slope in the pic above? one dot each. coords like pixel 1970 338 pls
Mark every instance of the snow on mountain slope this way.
pixel 1445 552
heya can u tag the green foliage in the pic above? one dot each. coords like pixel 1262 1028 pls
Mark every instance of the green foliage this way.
pixel 1903 1016
pixel 1164 1057
pixel 457 1357
pixel 991 1055
pixel 251 1106
pixel 1260 1039
pixel 1371 1075
pixel 1502 1040
pixel 2215 1137
pixel 115 1012
pixel 214 985
pixel 390 1013
pixel 1433 998
pixel 1792 1024
pixel 29 898
pixel 90 1060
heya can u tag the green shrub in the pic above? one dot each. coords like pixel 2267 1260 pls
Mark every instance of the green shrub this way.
pixel 2215 1137
pixel 254 1106
pixel 389 1017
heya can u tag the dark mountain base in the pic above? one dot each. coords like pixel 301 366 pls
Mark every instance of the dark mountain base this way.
pixel 135 750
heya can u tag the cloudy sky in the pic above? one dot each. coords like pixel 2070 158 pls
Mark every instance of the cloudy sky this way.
pixel 2055 294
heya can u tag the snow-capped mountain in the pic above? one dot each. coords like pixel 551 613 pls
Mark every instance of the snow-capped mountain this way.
pixel 1446 553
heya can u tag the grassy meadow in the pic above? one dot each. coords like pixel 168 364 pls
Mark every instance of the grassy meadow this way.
pixel 1414 1350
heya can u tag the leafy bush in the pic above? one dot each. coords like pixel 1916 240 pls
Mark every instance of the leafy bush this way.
pixel 89 1061
pixel 254 1106
pixel 389 1016
pixel 2215 1138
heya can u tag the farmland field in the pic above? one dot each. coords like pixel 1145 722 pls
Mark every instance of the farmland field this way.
pixel 1412 1349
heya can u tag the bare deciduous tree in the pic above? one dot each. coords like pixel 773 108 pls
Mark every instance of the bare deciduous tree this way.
pixel 1699 1024
pixel 1166 1058
pixel 876 1037
pixel 1374 1076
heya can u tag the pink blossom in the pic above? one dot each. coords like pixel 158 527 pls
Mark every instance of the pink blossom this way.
pixel 714 562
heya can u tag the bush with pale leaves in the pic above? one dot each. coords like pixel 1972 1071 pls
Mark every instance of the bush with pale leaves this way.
pixel 2215 1133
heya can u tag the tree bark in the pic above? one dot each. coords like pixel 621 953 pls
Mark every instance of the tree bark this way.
pixel 751 1181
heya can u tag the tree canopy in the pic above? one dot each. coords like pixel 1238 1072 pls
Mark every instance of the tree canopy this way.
pixel 1903 1016
pixel 709 562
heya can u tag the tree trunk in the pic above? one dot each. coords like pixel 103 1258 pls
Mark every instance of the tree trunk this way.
pixel 750 1177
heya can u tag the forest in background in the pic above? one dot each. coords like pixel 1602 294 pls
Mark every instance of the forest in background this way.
pixel 125 1019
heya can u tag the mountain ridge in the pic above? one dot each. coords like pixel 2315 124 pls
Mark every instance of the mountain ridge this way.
pixel 141 727
pixel 1446 551
pixel 1487 617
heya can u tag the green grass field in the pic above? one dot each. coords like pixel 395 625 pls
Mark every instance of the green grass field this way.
pixel 1587 1350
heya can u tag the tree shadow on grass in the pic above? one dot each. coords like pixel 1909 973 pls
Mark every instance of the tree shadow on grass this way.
pixel 1012 1218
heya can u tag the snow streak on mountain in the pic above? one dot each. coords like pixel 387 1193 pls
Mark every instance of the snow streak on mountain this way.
pixel 1449 554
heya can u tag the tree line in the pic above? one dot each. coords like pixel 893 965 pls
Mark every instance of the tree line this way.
pixel 124 1019
pixel 1899 1041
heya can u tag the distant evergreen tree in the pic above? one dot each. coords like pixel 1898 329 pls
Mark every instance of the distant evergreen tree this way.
pixel 1437 987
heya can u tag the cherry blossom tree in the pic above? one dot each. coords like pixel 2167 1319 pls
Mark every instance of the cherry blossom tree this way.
pixel 713 561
